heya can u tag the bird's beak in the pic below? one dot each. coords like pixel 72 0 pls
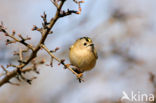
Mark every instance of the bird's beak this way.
pixel 91 45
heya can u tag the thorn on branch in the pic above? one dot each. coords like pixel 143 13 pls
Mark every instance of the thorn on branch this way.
pixel 29 81
pixel 6 71
pixel 56 49
pixel 44 16
pixel 9 41
pixel 68 12
pixel 21 62
pixel 20 36
pixel 23 39
pixel 50 32
pixel 36 28
pixel 45 23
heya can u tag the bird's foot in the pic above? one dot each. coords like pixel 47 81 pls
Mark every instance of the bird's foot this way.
pixel 67 65
pixel 79 77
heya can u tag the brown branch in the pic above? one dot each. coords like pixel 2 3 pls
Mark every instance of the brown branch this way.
pixel 44 30
pixel 4 69
pixel 22 41
pixel 79 5
pixel 60 61
pixel 55 3
pixel 12 74
pixel 68 12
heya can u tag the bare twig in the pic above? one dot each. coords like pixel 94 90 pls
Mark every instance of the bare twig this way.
pixel 22 41
pixel 55 3
pixel 4 69
pixel 61 61
pixel 79 5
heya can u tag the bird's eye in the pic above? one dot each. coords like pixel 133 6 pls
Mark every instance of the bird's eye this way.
pixel 85 44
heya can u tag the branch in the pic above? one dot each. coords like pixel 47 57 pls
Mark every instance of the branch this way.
pixel 46 28
pixel 61 62
pixel 22 41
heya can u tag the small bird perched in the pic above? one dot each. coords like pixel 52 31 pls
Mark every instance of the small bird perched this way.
pixel 82 55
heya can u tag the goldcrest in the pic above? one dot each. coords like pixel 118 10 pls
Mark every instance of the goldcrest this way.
pixel 82 54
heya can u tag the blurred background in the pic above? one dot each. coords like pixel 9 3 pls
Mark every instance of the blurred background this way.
pixel 124 35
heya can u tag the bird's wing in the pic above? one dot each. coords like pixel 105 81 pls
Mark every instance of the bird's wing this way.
pixel 95 53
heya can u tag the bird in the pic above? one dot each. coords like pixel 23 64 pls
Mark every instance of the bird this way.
pixel 83 55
